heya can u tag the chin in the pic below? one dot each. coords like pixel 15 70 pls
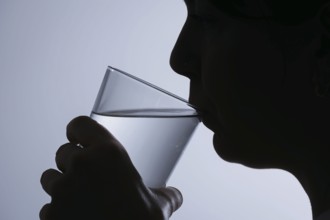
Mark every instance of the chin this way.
pixel 245 154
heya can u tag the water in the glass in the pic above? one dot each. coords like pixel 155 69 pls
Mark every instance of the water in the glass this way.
pixel 154 138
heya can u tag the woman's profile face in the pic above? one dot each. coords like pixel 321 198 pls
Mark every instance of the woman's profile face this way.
pixel 237 71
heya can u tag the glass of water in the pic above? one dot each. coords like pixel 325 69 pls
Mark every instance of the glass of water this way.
pixel 152 124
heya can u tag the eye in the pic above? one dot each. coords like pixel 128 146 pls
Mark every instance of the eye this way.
pixel 204 19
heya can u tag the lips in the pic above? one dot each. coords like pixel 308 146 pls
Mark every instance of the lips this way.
pixel 206 122
pixel 209 122
pixel 208 118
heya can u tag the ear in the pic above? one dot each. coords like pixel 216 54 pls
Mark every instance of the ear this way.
pixel 321 77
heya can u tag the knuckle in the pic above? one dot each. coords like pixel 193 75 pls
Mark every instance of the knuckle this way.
pixel 64 155
pixel 62 148
pixel 44 175
pixel 78 122
pixel 48 212
pixel 44 212
pixel 49 178
pixel 60 152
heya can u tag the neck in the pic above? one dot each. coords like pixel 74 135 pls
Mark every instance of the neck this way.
pixel 312 168
pixel 315 180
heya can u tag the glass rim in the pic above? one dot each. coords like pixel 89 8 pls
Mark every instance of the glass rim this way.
pixel 154 87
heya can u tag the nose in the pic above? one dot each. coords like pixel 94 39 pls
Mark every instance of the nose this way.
pixel 185 57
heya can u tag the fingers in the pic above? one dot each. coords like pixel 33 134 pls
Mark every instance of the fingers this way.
pixel 43 212
pixel 48 180
pixel 64 155
pixel 87 132
pixel 171 199
pixel 173 196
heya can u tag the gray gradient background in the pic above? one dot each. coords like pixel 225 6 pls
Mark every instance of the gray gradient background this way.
pixel 53 55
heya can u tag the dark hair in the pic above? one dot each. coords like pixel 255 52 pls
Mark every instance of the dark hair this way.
pixel 286 12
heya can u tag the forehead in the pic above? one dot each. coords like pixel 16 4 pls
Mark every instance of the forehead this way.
pixel 250 14
pixel 285 12
pixel 236 8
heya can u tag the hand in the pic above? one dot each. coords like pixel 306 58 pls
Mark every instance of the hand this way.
pixel 98 181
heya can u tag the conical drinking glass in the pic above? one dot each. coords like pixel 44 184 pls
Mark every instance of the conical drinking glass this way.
pixel 152 124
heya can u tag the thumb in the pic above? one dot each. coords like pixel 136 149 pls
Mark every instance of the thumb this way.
pixel 170 199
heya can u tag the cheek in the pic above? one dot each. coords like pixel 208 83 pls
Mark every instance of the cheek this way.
pixel 243 77
pixel 247 70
